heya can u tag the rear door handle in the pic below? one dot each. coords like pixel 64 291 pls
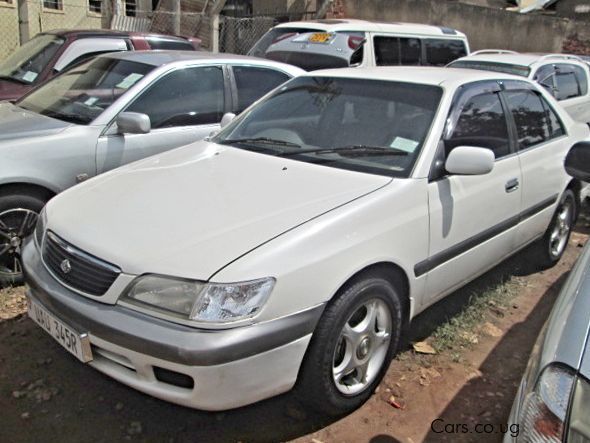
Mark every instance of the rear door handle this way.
pixel 512 185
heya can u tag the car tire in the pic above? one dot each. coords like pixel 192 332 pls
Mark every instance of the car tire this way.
pixel 345 338
pixel 18 216
pixel 550 248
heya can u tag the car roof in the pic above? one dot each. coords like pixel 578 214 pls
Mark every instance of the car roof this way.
pixel 333 25
pixel 108 33
pixel 439 76
pixel 167 57
pixel 521 59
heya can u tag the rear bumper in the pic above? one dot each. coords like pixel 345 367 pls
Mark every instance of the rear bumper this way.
pixel 228 368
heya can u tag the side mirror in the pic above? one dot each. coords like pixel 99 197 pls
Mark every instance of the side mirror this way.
pixel 577 161
pixel 226 119
pixel 133 123
pixel 470 160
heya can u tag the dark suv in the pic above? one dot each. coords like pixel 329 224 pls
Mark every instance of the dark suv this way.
pixel 49 53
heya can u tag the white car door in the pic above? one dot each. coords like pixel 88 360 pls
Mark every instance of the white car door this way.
pixel 184 105
pixel 473 219
pixel 542 146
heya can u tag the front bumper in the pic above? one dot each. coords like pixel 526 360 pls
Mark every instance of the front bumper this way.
pixel 229 368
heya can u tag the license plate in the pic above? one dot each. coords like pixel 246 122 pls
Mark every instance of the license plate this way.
pixel 74 342
pixel 320 37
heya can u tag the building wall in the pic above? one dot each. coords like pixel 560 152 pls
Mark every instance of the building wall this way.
pixel 485 27
pixel 9 39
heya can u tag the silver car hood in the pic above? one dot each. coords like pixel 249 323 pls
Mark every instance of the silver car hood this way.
pixel 16 123
pixel 193 210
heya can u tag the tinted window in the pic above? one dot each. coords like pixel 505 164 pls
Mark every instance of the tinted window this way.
pixel 253 83
pixel 482 123
pixel 386 51
pixel 535 121
pixel 390 51
pixel 180 45
pixel 440 52
pixel 190 96
pixel 567 84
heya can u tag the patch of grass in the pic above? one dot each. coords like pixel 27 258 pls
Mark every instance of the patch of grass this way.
pixel 459 331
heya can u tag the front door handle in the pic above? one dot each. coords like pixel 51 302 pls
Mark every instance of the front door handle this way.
pixel 512 185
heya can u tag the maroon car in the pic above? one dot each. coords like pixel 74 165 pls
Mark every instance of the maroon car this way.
pixel 49 53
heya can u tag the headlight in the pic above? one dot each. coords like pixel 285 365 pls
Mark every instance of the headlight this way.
pixel 545 407
pixel 201 302
pixel 579 431
pixel 40 228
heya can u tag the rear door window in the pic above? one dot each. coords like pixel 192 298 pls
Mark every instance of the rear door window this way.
pixel 535 121
pixel 440 52
pixel 253 82
pixel 566 82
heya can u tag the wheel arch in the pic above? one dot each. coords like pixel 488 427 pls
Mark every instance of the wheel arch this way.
pixel 28 188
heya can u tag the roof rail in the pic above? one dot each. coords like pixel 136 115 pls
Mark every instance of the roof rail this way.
pixel 561 56
pixel 493 51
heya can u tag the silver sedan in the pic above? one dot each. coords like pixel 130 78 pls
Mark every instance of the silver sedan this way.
pixel 110 111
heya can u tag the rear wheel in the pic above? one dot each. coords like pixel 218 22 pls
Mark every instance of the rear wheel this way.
pixel 352 346
pixel 551 247
pixel 18 216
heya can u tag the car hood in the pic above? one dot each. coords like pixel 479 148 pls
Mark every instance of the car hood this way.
pixel 193 210
pixel 16 122
pixel 12 90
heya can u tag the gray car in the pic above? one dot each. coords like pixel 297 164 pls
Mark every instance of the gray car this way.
pixel 110 111
pixel 553 400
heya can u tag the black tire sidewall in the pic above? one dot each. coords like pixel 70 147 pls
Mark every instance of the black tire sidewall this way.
pixel 23 201
pixel 316 382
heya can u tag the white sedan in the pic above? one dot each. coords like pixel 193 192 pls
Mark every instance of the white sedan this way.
pixel 294 247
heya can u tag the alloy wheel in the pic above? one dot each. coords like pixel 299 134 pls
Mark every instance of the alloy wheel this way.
pixel 362 347
pixel 561 230
pixel 15 225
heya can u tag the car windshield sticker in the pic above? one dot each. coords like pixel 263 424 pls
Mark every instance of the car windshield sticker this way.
pixel 30 76
pixel 129 81
pixel 405 144
pixel 91 101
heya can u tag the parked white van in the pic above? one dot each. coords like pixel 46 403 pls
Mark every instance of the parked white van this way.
pixel 316 44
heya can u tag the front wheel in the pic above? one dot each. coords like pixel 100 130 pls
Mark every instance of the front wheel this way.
pixel 352 346
pixel 551 247
pixel 18 216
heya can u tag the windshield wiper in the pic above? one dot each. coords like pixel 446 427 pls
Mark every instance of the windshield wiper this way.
pixel 259 140
pixel 361 150
pixel 14 79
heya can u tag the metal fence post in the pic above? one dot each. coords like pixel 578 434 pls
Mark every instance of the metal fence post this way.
pixel 215 33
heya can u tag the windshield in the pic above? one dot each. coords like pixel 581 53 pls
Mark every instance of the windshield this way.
pixel 26 63
pixel 364 125
pixel 84 92
pixel 504 68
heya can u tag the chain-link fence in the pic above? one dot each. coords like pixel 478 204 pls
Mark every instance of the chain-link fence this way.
pixel 8 28
pixel 237 35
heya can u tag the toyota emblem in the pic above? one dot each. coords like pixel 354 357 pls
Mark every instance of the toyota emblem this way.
pixel 65 266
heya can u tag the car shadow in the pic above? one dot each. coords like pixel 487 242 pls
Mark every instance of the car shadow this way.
pixel 487 399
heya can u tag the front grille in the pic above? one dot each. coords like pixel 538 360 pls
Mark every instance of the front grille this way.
pixel 78 269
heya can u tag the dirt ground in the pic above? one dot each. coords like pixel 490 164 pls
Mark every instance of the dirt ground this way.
pixel 47 395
